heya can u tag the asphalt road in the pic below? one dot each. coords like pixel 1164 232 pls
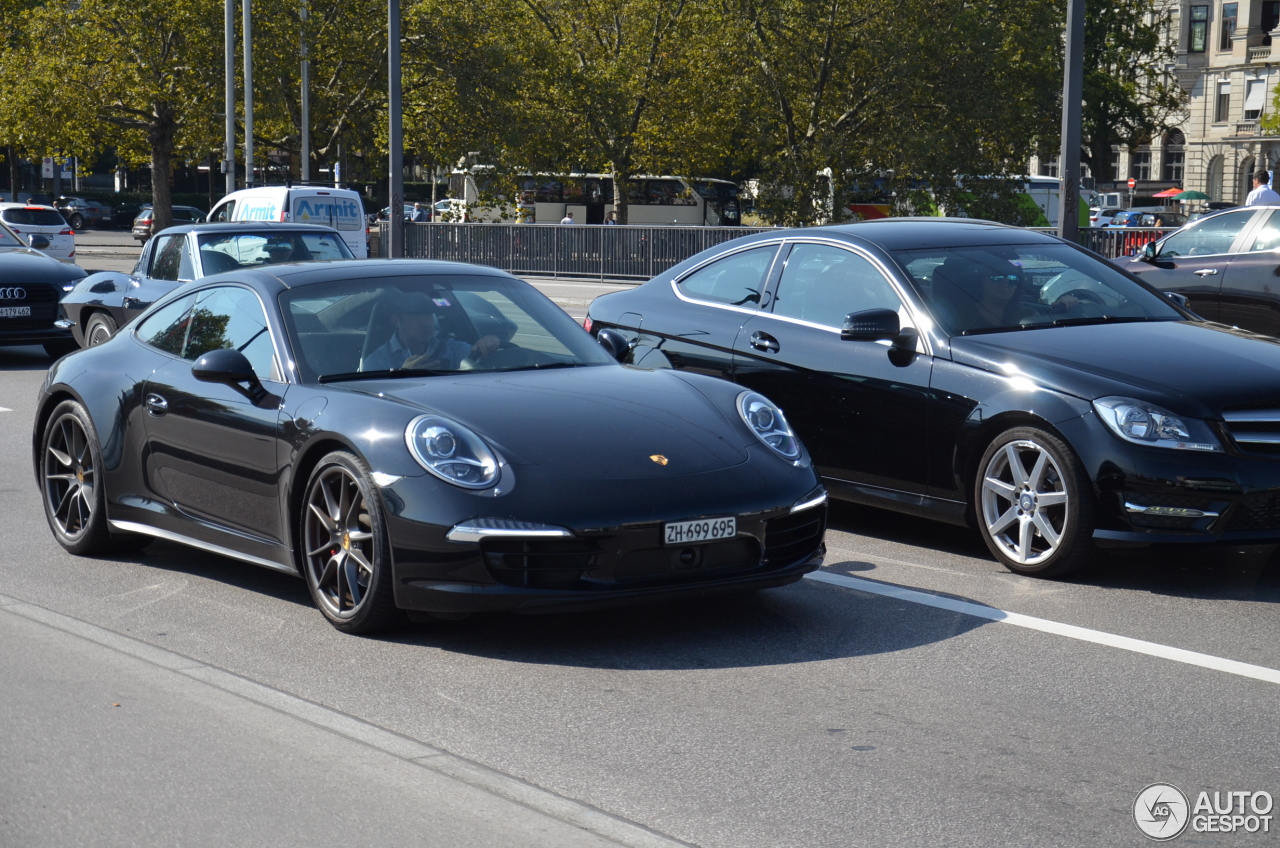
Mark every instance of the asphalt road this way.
pixel 915 694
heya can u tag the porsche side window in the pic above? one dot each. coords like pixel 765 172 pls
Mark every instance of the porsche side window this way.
pixel 231 317
pixel 170 258
pixel 737 280
pixel 1209 237
pixel 822 284
pixel 167 328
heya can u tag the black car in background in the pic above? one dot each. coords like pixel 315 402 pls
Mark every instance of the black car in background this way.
pixel 1227 265
pixel 144 223
pixel 31 284
pixel 982 374
pixel 107 300
pixel 276 415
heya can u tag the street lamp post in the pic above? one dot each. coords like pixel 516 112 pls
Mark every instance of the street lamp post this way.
pixel 395 141
pixel 1072 107
pixel 248 94
pixel 305 155
pixel 229 138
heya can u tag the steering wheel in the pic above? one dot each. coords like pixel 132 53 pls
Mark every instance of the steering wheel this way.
pixel 505 355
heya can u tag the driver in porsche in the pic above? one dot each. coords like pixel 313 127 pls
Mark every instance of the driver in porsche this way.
pixel 415 341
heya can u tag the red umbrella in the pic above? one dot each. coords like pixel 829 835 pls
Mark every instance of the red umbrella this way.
pixel 1168 192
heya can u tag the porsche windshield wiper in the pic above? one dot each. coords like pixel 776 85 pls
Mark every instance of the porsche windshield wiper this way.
pixel 381 375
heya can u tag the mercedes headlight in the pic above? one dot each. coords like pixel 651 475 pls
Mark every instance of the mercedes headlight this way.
pixel 451 452
pixel 1144 424
pixel 769 424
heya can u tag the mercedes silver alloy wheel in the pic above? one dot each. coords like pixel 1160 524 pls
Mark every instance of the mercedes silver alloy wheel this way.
pixel 69 476
pixel 340 550
pixel 1025 506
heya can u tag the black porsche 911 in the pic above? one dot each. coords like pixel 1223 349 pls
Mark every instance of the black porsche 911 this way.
pixel 984 375
pixel 422 436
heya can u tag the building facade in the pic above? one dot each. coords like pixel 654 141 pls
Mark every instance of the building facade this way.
pixel 1225 64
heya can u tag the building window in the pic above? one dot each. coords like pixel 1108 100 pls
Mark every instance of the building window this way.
pixel 1270 19
pixel 1255 92
pixel 1174 157
pixel 1113 168
pixel 1198 36
pixel 1228 25
pixel 1140 165
pixel 1222 109
pixel 1049 166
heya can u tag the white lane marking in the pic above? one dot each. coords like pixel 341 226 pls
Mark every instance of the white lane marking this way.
pixel 1044 625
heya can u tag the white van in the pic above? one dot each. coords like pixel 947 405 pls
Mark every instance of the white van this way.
pixel 339 208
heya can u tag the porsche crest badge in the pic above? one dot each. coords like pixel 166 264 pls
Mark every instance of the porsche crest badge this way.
pixel 659 458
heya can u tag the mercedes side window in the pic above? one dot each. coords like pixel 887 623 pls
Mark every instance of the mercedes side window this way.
pixel 822 284
pixel 736 280
pixel 166 329
pixel 1209 237
pixel 229 317
pixel 1268 237
pixel 170 258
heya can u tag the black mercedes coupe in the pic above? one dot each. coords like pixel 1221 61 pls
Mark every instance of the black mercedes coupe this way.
pixel 421 436
pixel 983 375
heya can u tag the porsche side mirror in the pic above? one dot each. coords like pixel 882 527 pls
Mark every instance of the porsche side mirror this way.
pixel 38 241
pixel 614 342
pixel 1148 252
pixel 232 368
pixel 871 325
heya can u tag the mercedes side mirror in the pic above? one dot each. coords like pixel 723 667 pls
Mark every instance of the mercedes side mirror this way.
pixel 871 325
pixel 614 342
pixel 38 241
pixel 1148 252
pixel 1180 299
pixel 231 368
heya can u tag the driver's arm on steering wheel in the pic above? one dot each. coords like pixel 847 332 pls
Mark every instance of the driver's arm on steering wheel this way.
pixel 484 346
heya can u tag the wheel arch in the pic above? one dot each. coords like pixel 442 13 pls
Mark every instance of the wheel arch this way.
pixel 308 458
pixel 970 451
pixel 44 410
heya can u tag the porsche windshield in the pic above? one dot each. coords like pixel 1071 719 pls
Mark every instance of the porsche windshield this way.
pixel 430 324
pixel 996 288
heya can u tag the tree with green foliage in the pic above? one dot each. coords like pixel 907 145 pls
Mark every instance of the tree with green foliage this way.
pixel 1129 99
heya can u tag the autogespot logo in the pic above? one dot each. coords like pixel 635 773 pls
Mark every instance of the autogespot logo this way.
pixel 13 294
pixel 1161 811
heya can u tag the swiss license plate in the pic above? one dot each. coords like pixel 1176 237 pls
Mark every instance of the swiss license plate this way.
pixel 702 530
pixel 15 311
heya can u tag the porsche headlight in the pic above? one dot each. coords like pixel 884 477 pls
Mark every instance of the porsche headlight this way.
pixel 769 424
pixel 1144 424
pixel 451 452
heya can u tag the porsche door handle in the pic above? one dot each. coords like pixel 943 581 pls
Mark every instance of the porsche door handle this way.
pixel 156 405
pixel 1207 272
pixel 765 342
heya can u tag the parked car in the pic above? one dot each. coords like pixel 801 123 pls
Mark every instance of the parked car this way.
pixel 108 300
pixel 1225 264
pixel 981 374
pixel 1102 217
pixel 42 227
pixel 80 212
pixel 143 227
pixel 31 283
pixel 1155 219
pixel 253 415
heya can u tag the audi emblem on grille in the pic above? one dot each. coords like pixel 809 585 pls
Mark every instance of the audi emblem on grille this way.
pixel 13 293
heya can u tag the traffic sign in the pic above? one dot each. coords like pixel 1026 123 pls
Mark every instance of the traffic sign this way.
pixel 1132 182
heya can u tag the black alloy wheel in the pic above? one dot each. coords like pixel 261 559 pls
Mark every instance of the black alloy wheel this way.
pixel 346 555
pixel 1034 504
pixel 100 328
pixel 74 500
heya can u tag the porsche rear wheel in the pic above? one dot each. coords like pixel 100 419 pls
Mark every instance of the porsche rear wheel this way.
pixel 346 555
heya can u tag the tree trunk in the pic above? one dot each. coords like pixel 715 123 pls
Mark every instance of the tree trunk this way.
pixel 160 134
pixel 620 177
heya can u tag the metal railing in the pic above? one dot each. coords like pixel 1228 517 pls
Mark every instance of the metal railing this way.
pixel 631 253
pixel 552 250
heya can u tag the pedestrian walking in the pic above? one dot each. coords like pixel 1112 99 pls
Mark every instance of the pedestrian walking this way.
pixel 611 218
pixel 1262 194
pixel 567 219
pixel 419 215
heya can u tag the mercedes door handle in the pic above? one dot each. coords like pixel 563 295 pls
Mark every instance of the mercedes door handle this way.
pixel 764 342
pixel 1207 272
pixel 157 405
